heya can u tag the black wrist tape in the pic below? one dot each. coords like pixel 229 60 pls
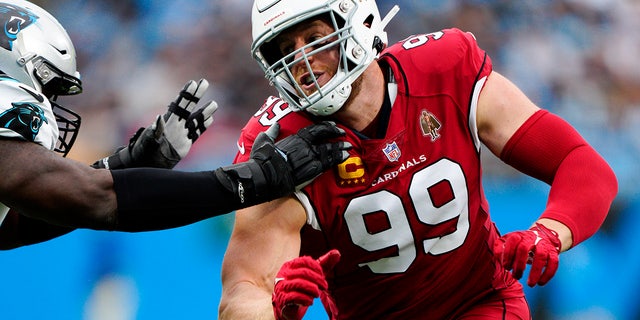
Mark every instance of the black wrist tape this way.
pixel 119 160
pixel 247 181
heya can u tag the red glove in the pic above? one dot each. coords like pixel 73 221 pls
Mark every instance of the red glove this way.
pixel 538 246
pixel 298 282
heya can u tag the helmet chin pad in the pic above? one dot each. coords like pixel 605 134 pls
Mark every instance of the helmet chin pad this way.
pixel 323 102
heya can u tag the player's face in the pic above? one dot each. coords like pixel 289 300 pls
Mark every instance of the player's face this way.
pixel 324 64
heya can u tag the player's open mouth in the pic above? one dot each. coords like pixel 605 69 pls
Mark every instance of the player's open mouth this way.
pixel 307 83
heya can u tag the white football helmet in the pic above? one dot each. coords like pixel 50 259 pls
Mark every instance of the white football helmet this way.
pixel 37 51
pixel 360 37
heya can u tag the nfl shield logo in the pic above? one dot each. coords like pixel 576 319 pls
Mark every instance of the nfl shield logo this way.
pixel 392 151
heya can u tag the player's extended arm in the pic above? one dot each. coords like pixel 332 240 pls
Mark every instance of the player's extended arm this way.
pixel 43 185
pixel 544 146
pixel 161 145
pixel 263 238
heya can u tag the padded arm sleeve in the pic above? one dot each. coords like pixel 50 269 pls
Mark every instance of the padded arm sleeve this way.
pixel 155 199
pixel 583 185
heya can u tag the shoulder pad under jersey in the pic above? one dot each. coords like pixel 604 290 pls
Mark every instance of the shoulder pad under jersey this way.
pixel 273 110
pixel 26 114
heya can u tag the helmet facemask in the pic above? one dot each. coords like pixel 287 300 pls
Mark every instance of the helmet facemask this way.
pixel 334 92
pixel 54 82
pixel 68 127
pixel 358 35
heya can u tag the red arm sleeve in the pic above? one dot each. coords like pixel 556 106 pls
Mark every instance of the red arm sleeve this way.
pixel 583 185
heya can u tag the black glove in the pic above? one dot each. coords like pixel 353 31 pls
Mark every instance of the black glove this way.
pixel 278 169
pixel 165 142
pixel 302 156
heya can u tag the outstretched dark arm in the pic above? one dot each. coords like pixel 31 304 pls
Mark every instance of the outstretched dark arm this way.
pixel 44 186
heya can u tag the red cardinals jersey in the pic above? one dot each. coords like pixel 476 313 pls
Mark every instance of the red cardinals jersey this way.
pixel 407 212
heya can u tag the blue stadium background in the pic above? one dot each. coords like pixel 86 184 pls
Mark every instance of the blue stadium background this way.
pixel 576 58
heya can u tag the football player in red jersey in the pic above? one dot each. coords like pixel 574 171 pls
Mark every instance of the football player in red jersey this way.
pixel 401 229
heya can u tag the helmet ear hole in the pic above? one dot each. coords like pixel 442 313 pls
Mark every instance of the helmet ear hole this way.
pixel 368 21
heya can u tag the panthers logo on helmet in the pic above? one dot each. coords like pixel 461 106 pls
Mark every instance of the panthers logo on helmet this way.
pixel 14 19
pixel 24 118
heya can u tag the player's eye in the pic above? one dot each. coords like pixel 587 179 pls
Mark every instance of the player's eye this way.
pixel 286 49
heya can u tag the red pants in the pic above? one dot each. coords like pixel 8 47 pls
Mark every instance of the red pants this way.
pixel 504 309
